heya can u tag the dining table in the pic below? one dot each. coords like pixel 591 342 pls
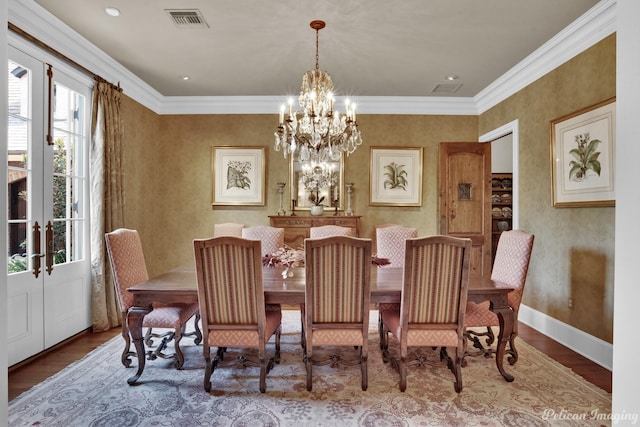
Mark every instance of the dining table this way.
pixel 286 286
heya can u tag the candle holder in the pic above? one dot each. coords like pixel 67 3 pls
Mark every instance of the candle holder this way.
pixel 281 211
pixel 293 207
pixel 349 211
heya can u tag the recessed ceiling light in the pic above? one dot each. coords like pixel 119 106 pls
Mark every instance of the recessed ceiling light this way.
pixel 452 77
pixel 185 78
pixel 112 11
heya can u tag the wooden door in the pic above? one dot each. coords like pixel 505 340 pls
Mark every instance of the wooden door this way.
pixel 464 201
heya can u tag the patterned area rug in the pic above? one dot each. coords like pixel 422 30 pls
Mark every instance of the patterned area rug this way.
pixel 94 392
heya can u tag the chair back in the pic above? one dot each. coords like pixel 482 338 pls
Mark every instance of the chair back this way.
pixel 230 291
pixel 272 238
pixel 330 231
pixel 227 229
pixel 434 289
pixel 124 249
pixel 512 262
pixel 390 241
pixel 338 271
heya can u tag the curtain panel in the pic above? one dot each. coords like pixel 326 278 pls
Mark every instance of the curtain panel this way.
pixel 107 210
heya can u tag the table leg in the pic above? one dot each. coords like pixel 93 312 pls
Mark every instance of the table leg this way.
pixel 134 323
pixel 501 307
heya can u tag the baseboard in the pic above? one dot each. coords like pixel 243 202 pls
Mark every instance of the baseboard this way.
pixel 594 349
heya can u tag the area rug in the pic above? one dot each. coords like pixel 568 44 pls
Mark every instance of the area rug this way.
pixel 94 392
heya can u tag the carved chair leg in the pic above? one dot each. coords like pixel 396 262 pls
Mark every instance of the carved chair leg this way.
pixel 278 334
pixel 363 370
pixel 402 367
pixel 178 355
pixel 197 333
pixel 263 375
pixel 308 364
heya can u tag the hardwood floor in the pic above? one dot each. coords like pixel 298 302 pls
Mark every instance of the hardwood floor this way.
pixel 27 374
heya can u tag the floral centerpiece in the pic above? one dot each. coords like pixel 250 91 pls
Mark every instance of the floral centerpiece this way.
pixel 286 256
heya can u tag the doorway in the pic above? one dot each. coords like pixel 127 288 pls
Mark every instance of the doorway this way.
pixel 509 129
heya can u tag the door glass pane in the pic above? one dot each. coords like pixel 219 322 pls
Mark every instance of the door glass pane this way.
pixel 68 174
pixel 18 167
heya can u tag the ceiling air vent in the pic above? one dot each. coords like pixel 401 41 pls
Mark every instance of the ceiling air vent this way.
pixel 187 18
pixel 450 88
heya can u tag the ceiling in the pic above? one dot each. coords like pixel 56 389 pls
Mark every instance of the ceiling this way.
pixel 370 47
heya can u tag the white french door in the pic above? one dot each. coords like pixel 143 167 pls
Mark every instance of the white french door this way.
pixel 48 283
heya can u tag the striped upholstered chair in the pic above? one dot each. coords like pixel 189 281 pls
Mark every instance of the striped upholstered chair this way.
pixel 232 307
pixel 337 300
pixel 272 238
pixel 434 297
pixel 509 267
pixel 128 267
pixel 330 231
pixel 227 229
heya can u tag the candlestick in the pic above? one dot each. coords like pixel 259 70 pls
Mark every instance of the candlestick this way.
pixel 281 185
pixel 349 211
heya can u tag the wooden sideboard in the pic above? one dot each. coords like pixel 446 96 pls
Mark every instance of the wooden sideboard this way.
pixel 296 228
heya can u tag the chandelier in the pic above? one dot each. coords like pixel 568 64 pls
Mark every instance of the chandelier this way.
pixel 317 132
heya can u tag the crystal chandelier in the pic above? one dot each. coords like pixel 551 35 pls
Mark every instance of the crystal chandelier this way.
pixel 317 132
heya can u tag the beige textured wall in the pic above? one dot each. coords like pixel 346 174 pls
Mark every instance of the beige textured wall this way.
pixel 573 254
pixel 168 180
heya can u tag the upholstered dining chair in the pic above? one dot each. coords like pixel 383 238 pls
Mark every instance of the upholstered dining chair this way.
pixel 509 267
pixel 330 231
pixel 390 243
pixel 232 306
pixel 227 229
pixel 336 310
pixel 434 297
pixel 272 238
pixel 126 257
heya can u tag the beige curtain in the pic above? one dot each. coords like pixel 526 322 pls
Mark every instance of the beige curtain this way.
pixel 107 210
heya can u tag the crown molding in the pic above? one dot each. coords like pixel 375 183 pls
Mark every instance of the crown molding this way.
pixel 598 23
pixel 271 104
pixel 590 28
pixel 38 22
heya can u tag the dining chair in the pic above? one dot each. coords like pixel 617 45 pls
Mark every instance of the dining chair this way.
pixel 390 241
pixel 330 231
pixel 510 268
pixel 434 296
pixel 336 309
pixel 227 229
pixel 272 238
pixel 232 305
pixel 128 267
pixel 390 245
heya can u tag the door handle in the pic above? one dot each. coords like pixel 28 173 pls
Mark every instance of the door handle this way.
pixel 36 249
pixel 49 256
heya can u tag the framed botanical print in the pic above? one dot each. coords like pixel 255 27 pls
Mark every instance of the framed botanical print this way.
pixel 395 176
pixel 583 157
pixel 238 176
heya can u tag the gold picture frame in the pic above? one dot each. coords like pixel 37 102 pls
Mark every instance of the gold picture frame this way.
pixel 238 176
pixel 395 176
pixel 583 157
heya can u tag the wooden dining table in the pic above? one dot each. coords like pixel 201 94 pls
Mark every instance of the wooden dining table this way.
pixel 179 285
